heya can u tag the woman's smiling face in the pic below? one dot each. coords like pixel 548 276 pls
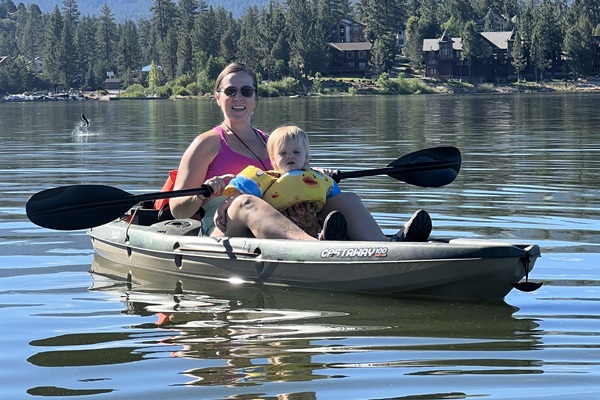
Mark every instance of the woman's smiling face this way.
pixel 237 107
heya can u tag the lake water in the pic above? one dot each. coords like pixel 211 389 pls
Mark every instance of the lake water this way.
pixel 531 167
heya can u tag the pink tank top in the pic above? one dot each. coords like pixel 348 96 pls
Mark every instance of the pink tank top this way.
pixel 228 161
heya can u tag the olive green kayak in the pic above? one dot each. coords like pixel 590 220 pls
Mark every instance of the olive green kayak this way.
pixel 459 268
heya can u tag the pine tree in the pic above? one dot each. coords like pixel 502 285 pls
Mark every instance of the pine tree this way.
pixel 188 10
pixel 53 46
pixel 106 40
pixel 471 44
pixel 85 41
pixel 128 51
pixel 249 44
pixel 545 38
pixel 308 44
pixel 32 38
pixel 579 47
pixel 519 61
pixel 69 60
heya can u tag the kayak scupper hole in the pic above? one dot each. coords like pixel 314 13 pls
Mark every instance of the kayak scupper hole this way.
pixel 178 258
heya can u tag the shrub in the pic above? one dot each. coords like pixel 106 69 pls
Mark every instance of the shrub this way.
pixel 180 91
pixel 132 91
pixel 194 89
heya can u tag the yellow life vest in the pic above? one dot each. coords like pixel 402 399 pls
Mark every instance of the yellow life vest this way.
pixel 283 190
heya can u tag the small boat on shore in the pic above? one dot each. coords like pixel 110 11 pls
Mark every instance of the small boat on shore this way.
pixel 459 268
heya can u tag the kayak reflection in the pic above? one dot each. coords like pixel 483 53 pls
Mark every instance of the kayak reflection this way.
pixel 288 334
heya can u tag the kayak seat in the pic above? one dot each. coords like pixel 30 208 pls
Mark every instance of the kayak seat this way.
pixel 147 215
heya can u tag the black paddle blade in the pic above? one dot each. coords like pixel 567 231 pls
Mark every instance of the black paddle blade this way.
pixel 78 206
pixel 434 167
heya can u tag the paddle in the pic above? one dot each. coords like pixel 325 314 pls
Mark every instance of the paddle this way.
pixel 433 167
pixel 85 206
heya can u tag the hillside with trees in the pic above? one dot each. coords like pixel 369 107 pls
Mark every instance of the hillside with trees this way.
pixel 139 9
pixel 187 41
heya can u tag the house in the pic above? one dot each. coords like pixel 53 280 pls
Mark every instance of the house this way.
pixel 351 52
pixel 401 39
pixel 496 21
pixel 443 57
pixel 350 58
pixel 112 84
pixel 349 31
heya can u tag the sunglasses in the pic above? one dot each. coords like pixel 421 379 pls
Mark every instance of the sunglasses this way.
pixel 246 91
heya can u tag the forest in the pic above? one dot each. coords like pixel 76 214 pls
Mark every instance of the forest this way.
pixel 187 42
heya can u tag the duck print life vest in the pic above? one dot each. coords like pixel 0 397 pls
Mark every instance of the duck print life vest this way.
pixel 283 190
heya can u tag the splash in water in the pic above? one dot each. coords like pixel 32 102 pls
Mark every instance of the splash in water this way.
pixel 81 128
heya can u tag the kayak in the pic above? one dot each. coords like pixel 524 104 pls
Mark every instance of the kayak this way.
pixel 442 267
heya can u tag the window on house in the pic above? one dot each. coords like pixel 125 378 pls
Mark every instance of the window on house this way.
pixel 362 54
pixel 349 55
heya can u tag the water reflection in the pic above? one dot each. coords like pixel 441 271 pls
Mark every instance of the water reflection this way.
pixel 259 334
pixel 530 166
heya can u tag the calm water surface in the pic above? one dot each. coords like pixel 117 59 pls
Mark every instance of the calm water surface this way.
pixel 530 173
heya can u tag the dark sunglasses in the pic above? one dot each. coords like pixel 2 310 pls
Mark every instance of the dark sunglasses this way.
pixel 246 91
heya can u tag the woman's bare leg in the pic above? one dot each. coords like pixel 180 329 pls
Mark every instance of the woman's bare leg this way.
pixel 250 216
pixel 361 224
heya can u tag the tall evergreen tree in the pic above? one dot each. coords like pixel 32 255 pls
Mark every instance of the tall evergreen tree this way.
pixel 273 46
pixel 106 42
pixel 32 38
pixel 519 61
pixel 227 25
pixel 188 10
pixel 545 38
pixel 381 17
pixel 168 54
pixel 308 34
pixel 472 47
pixel 85 40
pixel 414 42
pixel 69 59
pixel 249 44
pixel 52 49
pixel 148 41
pixel 129 57
pixel 580 47
pixel 164 13
pixel 205 37
pixel 460 10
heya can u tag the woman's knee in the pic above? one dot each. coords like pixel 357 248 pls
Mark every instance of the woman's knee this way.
pixel 245 204
pixel 344 202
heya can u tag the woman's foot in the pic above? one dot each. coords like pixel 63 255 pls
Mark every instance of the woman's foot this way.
pixel 417 229
pixel 334 227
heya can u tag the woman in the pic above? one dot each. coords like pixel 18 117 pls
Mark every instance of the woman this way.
pixel 217 155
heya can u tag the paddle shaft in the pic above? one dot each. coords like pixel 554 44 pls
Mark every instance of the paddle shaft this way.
pixel 85 206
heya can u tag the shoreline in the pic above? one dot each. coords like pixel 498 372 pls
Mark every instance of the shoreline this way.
pixel 362 87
